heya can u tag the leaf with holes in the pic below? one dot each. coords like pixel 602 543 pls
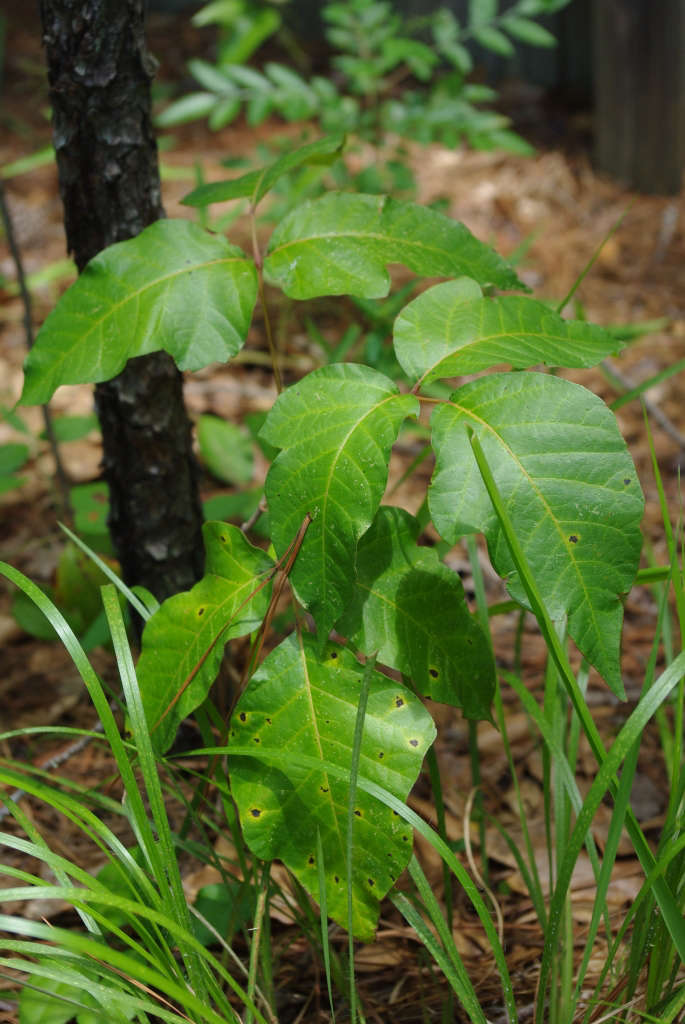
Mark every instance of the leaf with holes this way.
pixel 302 702
pixel 336 429
pixel 570 488
pixel 174 287
pixel 341 244
pixel 410 608
pixel 452 330
pixel 184 641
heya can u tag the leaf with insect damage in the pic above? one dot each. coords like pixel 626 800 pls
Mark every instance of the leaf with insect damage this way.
pixel 304 702
pixel 184 641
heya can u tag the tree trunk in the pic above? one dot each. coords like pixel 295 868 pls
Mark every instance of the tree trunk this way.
pixel 99 73
pixel 639 62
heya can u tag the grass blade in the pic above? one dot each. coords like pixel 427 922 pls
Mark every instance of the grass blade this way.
pixel 413 918
pixel 163 858
pixel 325 944
pixel 354 775
pixel 668 905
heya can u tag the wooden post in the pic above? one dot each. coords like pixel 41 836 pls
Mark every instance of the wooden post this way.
pixel 639 69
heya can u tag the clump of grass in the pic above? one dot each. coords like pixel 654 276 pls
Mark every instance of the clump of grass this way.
pixel 136 953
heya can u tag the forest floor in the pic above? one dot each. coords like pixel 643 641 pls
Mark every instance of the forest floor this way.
pixel 560 209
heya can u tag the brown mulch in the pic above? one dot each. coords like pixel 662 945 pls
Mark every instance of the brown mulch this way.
pixel 556 205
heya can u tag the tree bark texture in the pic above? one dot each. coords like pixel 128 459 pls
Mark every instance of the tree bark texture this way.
pixel 99 73
pixel 639 67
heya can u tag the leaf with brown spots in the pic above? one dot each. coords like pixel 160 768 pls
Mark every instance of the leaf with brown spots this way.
pixel 569 486
pixel 304 703
pixel 410 608
pixel 184 641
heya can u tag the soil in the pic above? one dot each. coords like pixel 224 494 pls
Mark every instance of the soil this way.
pixel 555 209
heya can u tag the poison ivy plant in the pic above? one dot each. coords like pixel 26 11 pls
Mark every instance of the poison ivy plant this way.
pixel 359 568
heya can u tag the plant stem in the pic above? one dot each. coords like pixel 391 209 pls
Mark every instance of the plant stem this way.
pixel 481 603
pixel 259 262
pixel 354 772
pixel 256 935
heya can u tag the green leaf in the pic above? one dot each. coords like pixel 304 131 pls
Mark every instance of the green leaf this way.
pixel 227 906
pixel 529 32
pixel 188 108
pixel 173 287
pixel 225 449
pixel 287 80
pixel 12 457
pixel 262 24
pixel 571 491
pixel 54 1002
pixel 420 58
pixel 30 618
pixel 117 878
pixel 451 330
pixel 90 503
pixel 14 421
pixel 248 78
pixel 459 56
pixel 336 428
pixel 481 11
pixel 212 78
pixel 494 40
pixel 504 139
pixel 235 507
pixel 11 483
pixel 222 113
pixel 78 581
pixel 410 608
pixel 259 107
pixel 73 428
pixel 184 641
pixel 217 12
pixel 305 703
pixel 254 421
pixel 255 184
pixel 341 244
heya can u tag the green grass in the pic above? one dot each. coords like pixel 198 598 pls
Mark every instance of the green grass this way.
pixel 135 954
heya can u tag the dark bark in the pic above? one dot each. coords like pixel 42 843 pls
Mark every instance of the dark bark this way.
pixel 639 62
pixel 99 73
